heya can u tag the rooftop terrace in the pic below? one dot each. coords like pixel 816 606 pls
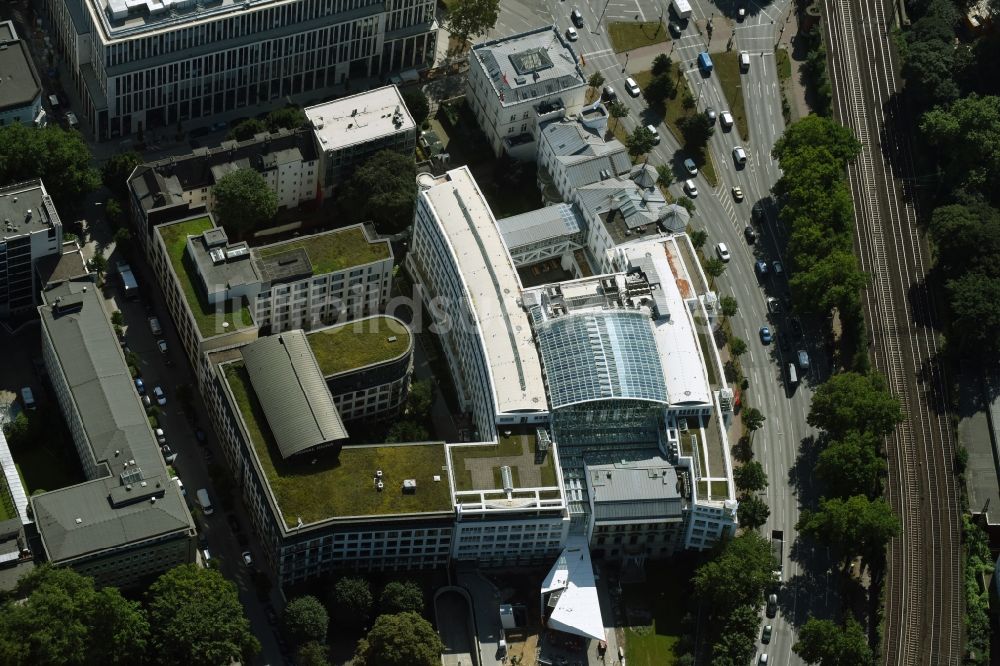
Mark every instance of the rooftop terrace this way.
pixel 327 486
pixel 477 467
pixel 334 250
pixel 358 344
pixel 209 319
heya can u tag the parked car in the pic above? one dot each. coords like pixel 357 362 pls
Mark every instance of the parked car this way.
pixel 609 94
pixel 723 252
pixel 750 235
pixel 773 305
pixel 761 266
pixel 146 402
pixel 691 167
pixel 247 558
pixel 161 397
pixel 161 344
pixel 272 616
pixel 154 326
pixel 765 335
pixel 140 386
pixel 161 437
pixel 757 213
pixel 199 435
pixel 777 267
pixel 169 456
pixel 691 188
pixel 675 29
pixel 803 359
pixel 744 61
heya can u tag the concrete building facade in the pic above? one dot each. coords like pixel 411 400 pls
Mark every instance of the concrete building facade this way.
pixel 31 231
pixel 21 93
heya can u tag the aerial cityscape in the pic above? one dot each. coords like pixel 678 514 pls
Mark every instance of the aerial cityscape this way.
pixel 488 332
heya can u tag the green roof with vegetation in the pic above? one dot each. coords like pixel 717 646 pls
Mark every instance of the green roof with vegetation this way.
pixel 334 250
pixel 322 485
pixel 208 318
pixel 518 450
pixel 358 343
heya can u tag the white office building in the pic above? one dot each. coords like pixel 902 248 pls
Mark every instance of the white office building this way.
pixel 31 230
pixel 516 83
pixel 150 64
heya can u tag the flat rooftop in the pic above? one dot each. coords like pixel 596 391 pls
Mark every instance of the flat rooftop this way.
pixel 477 466
pixel 639 490
pixel 491 282
pixel 328 486
pixel 360 118
pixel 529 65
pixel 210 320
pixel 328 252
pixel 358 344
pixel 15 203
pixel 21 84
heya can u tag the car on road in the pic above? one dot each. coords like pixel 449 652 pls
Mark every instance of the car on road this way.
pixel 161 397
pixel 803 359
pixel 757 213
pixel 761 266
pixel 739 156
pixel 762 661
pixel 773 305
pixel 146 402
pixel 690 166
pixel 675 29
pixel 168 454
pixel 161 437
pixel 772 605
pixel 744 61
pixel 710 114
pixel 576 17
pixel 161 344
pixel 247 558
pixel 154 326
pixel 691 188
pixel 726 120
pixel 765 335
pixel 180 485
pixel 632 87
pixel 609 94
pixel 741 12
pixel 655 133
pixel 765 636
pixel 723 252
pixel 140 386
pixel 777 267
pixel 737 193
pixel 571 34
pixel 750 235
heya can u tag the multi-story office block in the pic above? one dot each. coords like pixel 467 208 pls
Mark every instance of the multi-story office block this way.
pixel 351 129
pixel 367 364
pixel 128 522
pixel 515 83
pixel 21 92
pixel 153 63
pixel 31 229
pixel 459 259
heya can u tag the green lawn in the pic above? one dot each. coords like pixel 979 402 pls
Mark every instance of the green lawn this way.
pixel 727 68
pixel 357 344
pixel 7 508
pixel 209 319
pixel 513 446
pixel 324 486
pixel 628 35
pixel 334 251
pixel 660 595
pixel 720 489
pixel 784 64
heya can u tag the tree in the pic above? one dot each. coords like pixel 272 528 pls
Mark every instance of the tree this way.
pixel 813 131
pixel 382 190
pixel 698 237
pixel 854 402
pixel 714 266
pixel 596 80
pixel 750 477
pixel 661 64
pixel 305 620
pixel 472 18
pixel 289 117
pixel 113 211
pixel 976 317
pixel 403 639
pixel 932 67
pixel 854 526
pixel 197 618
pixel 664 176
pixel 123 238
pixel 753 512
pixel 243 202
pixel 697 130
pixel 833 282
pixel 60 158
pixel 737 576
pixel 406 430
pixel 752 419
pixel 420 399
pixel 312 654
pixel 352 601
pixel 851 465
pixel 117 318
pixel 116 171
pixel 728 306
pixel 64 620
pixel 966 238
pixel 737 346
pixel 618 110
pixel 417 103
pixel 823 642
pixel 688 205
pixel 659 90
pixel 247 129
pixel 98 264
pixel 401 597
pixel 737 638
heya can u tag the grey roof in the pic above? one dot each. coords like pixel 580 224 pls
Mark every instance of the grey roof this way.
pixel 287 266
pixel 134 499
pixel 586 156
pixel 292 392
pixel 622 205
pixel 674 218
pixel 530 65
pixel 541 225
pixel 15 203
pixel 236 269
pixel 600 355
pixel 57 268
pixel 21 84
pixel 649 489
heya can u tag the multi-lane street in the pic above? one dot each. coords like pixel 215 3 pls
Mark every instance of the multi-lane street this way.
pixel 776 445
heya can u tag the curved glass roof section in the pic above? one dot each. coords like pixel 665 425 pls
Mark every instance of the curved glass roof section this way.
pixel 600 355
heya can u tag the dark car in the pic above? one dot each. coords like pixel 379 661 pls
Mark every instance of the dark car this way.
pixel 577 18
pixel 675 28
pixel 765 335
pixel 757 213
pixel 750 234
pixel 772 605
pixel 761 266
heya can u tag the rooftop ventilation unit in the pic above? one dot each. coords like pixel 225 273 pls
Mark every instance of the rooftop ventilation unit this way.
pixel 237 252
pixel 409 486
pixel 218 255
pixel 507 478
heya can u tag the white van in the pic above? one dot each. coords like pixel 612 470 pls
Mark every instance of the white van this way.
pixel 793 376
pixel 744 61
pixel 28 398
pixel 632 87
pixel 206 504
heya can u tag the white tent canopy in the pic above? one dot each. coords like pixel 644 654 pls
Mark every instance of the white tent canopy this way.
pixel 578 610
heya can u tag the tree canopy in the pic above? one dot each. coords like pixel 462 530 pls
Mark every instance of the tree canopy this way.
pixel 383 189
pixel 351 600
pixel 750 477
pixel 60 158
pixel 472 18
pixel 417 103
pixel 697 130
pixel 737 576
pixel 247 129
pixel 402 596
pixel 402 639
pixel 661 88
pixel 661 64
pixel 243 202
pixel 853 526
pixel 305 620
pixel 288 117
pixel 197 618
pixel 753 512
pixel 824 643
pixel 966 138
pixel 850 465
pixel 115 172
pixel 850 401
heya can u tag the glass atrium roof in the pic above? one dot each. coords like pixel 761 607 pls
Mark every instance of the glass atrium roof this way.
pixel 600 355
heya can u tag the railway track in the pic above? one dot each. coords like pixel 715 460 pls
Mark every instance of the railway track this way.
pixel 923 611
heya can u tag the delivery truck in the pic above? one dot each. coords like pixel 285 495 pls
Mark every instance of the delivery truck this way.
pixel 682 8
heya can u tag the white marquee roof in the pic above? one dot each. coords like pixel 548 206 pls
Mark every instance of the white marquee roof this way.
pixel 578 610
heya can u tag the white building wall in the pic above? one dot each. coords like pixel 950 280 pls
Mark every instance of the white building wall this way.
pixel 493 541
